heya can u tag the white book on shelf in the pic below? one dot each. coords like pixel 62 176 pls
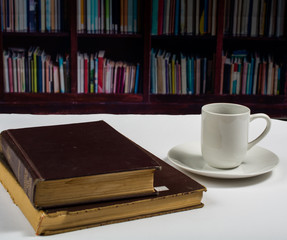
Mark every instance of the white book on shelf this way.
pixel 6 75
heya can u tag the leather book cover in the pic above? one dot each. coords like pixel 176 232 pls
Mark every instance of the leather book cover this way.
pixel 70 151
pixel 176 192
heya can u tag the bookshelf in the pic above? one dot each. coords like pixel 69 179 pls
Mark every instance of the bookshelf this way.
pixel 136 48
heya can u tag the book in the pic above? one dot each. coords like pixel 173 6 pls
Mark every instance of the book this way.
pixel 176 192
pixel 77 163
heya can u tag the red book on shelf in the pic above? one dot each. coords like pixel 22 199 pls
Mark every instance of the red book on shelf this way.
pixel 10 74
pixel 100 70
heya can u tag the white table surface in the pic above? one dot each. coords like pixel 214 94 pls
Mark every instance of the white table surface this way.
pixel 252 208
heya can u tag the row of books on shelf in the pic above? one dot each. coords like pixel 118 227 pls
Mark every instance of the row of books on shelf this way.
pixel 35 71
pixel 108 16
pixel 252 73
pixel 33 15
pixel 98 74
pixel 173 73
pixel 255 18
pixel 184 17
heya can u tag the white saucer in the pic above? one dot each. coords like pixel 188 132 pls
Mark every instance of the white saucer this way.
pixel 188 156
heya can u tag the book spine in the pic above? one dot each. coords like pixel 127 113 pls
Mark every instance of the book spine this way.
pixel 25 173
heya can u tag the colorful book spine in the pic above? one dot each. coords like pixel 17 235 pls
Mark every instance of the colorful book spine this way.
pixel 250 73
pixel 190 17
pixel 183 74
pixel 255 18
pixel 97 74
pixel 30 71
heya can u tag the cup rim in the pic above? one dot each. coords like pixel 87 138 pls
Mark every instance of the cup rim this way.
pixel 244 110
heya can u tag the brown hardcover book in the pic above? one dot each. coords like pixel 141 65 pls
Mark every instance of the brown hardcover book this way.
pixel 77 163
pixel 176 192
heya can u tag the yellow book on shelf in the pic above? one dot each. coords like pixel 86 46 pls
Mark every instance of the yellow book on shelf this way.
pixel 201 24
pixel 34 83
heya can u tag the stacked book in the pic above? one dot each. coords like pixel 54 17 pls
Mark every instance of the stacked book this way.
pixel 98 74
pixel 33 15
pixel 180 74
pixel 255 18
pixel 252 73
pixel 184 17
pixel 75 176
pixel 34 71
pixel 108 16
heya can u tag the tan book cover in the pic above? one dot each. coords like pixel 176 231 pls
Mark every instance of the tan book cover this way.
pixel 176 192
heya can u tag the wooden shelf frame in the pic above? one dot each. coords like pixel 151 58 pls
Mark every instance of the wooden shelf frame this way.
pixel 143 103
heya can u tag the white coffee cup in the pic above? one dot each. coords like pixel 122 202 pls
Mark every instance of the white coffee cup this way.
pixel 224 133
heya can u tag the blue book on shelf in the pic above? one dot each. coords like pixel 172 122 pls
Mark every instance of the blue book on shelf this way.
pixel 137 78
pixel 39 15
pixel 7 14
pixel 39 74
pixel 2 15
pixel 32 16
pixel 130 16
pixel 251 76
pixel 176 18
pixel 248 78
pixel 96 74
pixel 154 16
pixel 234 86
pixel 192 76
pixel 135 16
pixel 96 16
pixel 48 15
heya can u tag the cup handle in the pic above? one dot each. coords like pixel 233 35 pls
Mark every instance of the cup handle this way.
pixel 265 131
